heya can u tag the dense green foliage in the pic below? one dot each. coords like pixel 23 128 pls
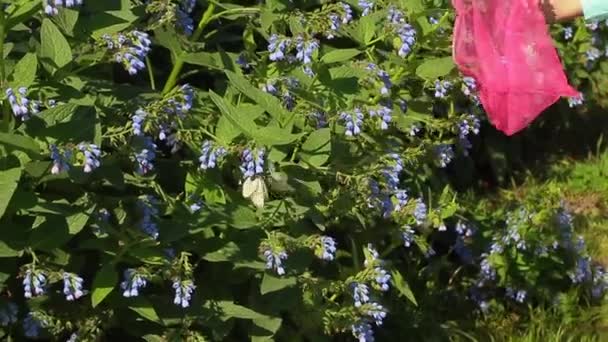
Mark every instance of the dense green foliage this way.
pixel 284 170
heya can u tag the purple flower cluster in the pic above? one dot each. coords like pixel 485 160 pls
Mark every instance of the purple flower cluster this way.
pixel 138 121
pixel 72 286
pixel 304 52
pixel 327 250
pixel 149 213
pixel 252 162
pixel 133 282
pixel 210 154
pixel 183 17
pixel 576 100
pixel 129 49
pixel 444 154
pixel 353 122
pixel 21 106
pixel 34 283
pixel 408 235
pixel 278 47
pixel 342 16
pixel 405 31
pixel 360 293
pixel 92 154
pixel 274 259
pixel 51 7
pixel 145 157
pixel 60 160
pixel 385 115
pixel 442 88
pixel 183 292
pixel 367 6
pixel 517 295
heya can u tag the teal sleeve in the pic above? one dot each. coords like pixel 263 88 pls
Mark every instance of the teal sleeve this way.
pixel 595 9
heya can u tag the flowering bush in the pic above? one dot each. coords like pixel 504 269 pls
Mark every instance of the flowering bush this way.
pixel 289 178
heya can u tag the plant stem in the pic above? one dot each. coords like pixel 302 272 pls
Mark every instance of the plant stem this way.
pixel 150 73
pixel 179 59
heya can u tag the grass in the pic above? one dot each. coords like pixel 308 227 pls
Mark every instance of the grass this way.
pixel 585 192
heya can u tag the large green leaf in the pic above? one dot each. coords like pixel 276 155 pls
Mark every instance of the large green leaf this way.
pixel 246 127
pixel 104 283
pixel 433 68
pixel 144 308
pixel 273 135
pixel 270 103
pixel 271 283
pixel 20 143
pixel 317 147
pixel 340 55
pixel 55 52
pixel 402 286
pixel 9 179
pixel 24 73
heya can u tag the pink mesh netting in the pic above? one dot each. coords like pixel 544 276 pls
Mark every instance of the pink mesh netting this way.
pixel 505 45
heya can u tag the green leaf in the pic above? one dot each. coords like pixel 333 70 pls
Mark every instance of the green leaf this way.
pixel 109 22
pixel 272 135
pixel 317 147
pixel 24 73
pixel 246 127
pixel 270 103
pixel 104 283
pixel 20 143
pixel 144 308
pixel 9 180
pixel 7 252
pixel 231 310
pixel 55 51
pixel 77 221
pixel 433 68
pixel 340 55
pixel 271 283
pixel 243 114
pixel 21 11
pixel 402 286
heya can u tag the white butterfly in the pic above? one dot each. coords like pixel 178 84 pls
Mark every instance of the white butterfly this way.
pixel 255 189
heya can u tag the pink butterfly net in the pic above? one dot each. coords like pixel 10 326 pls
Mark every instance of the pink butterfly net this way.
pixel 506 47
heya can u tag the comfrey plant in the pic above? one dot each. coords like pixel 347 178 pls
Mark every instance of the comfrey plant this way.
pixel 240 152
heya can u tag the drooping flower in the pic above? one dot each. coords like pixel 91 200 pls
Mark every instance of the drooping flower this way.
pixel 353 122
pixel 183 292
pixel 149 212
pixel 34 283
pixel 138 121
pixel 441 88
pixel 72 286
pixel 145 157
pixel 60 160
pixel 576 100
pixel 327 250
pixel 408 235
pixel 51 7
pixel 92 154
pixel 445 154
pixel 360 293
pixel 568 33
pixel 252 162
pixel 274 258
pixel 405 31
pixel 133 282
pixel 277 46
pixel 363 331
pixel 129 49
pixel 210 154
pixel 21 105
pixel 420 211
pixel 367 6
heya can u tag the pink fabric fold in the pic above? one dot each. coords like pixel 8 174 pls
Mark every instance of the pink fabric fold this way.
pixel 505 45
